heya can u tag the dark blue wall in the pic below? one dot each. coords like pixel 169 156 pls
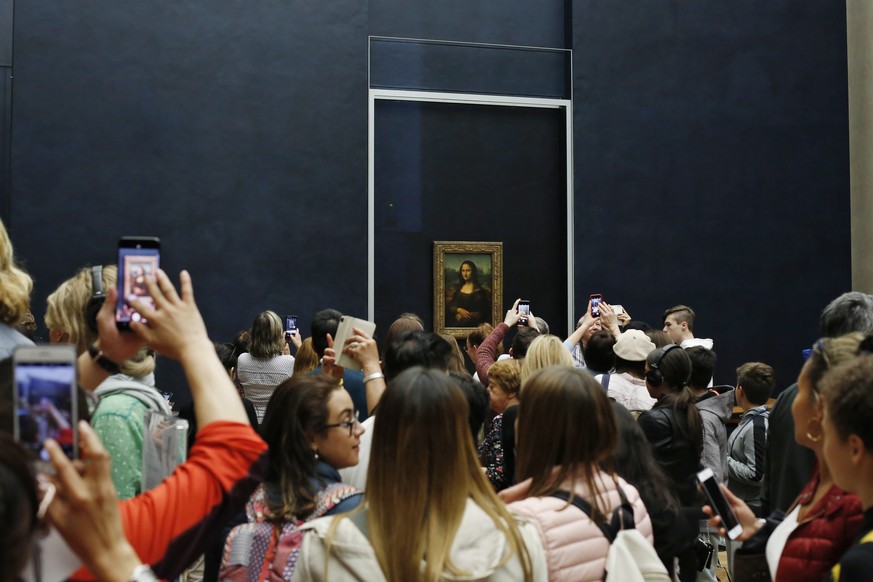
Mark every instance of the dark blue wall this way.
pixel 711 151
pixel 712 167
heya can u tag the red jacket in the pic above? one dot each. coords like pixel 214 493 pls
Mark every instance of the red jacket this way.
pixel 823 536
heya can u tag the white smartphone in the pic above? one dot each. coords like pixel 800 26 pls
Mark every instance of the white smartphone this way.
pixel 618 309
pixel 344 332
pixel 719 504
pixel 45 400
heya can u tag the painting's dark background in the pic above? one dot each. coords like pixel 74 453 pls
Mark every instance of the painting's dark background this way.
pixel 710 155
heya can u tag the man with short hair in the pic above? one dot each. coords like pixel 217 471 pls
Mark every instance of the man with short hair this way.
pixel 748 442
pixel 679 327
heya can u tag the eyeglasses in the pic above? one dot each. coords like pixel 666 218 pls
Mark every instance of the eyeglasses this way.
pixel 348 423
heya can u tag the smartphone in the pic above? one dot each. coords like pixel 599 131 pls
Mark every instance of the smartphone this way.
pixel 344 332
pixel 618 309
pixel 595 298
pixel 45 400
pixel 523 311
pixel 290 327
pixel 138 258
pixel 719 504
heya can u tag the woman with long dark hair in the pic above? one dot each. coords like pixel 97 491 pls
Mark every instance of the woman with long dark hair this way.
pixel 673 426
pixel 312 431
pixel 566 435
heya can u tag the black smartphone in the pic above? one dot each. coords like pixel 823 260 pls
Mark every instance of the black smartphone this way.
pixel 523 311
pixel 290 327
pixel 719 504
pixel 45 398
pixel 595 298
pixel 138 258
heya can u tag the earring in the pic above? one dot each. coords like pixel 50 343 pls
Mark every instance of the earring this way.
pixel 809 435
pixel 316 453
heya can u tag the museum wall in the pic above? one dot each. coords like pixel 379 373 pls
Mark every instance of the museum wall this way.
pixel 710 154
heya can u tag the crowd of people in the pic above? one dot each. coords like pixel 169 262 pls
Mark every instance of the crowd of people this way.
pixel 414 468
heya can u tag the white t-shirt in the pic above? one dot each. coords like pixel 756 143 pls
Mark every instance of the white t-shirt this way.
pixel 779 538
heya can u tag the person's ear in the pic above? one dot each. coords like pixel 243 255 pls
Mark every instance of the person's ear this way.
pixel 857 449
pixel 510 352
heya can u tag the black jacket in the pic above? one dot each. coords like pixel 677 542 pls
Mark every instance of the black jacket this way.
pixel 677 455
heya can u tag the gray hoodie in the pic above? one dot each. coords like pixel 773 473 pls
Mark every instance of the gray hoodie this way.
pixel 143 389
pixel 715 411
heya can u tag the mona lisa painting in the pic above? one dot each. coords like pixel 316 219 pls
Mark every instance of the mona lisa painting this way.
pixel 468 285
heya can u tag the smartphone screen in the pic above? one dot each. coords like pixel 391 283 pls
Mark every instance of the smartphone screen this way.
pixel 290 327
pixel 596 298
pixel 719 503
pixel 45 398
pixel 138 259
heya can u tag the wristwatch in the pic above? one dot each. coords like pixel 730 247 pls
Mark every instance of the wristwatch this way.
pixel 101 360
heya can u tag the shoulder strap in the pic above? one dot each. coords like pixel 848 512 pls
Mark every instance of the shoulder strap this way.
pixel 604 381
pixel 585 508
pixel 622 516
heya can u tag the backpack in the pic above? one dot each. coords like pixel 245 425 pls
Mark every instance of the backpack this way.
pixel 631 557
pixel 262 550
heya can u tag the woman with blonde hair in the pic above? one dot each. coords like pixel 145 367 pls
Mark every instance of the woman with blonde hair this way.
pixel 560 460
pixel 267 364
pixel 545 351
pixel 430 514
pixel 15 287
pixel 306 360
pixel 125 395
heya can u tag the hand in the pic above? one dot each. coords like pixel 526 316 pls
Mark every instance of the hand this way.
pixel 295 339
pixel 286 350
pixel 461 314
pixel 328 362
pixel 744 514
pixel 624 317
pixel 512 315
pixel 608 319
pixel 363 348
pixel 85 509
pixel 587 319
pixel 175 327
pixel 116 345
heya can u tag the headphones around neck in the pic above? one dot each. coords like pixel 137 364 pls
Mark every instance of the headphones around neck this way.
pixel 654 375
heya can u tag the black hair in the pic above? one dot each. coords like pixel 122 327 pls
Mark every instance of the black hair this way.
pixel 702 366
pixel 416 348
pixel 477 400
pixel 522 340
pixel 325 322
pixel 598 354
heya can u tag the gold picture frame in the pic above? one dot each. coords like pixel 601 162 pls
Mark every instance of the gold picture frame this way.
pixel 464 300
